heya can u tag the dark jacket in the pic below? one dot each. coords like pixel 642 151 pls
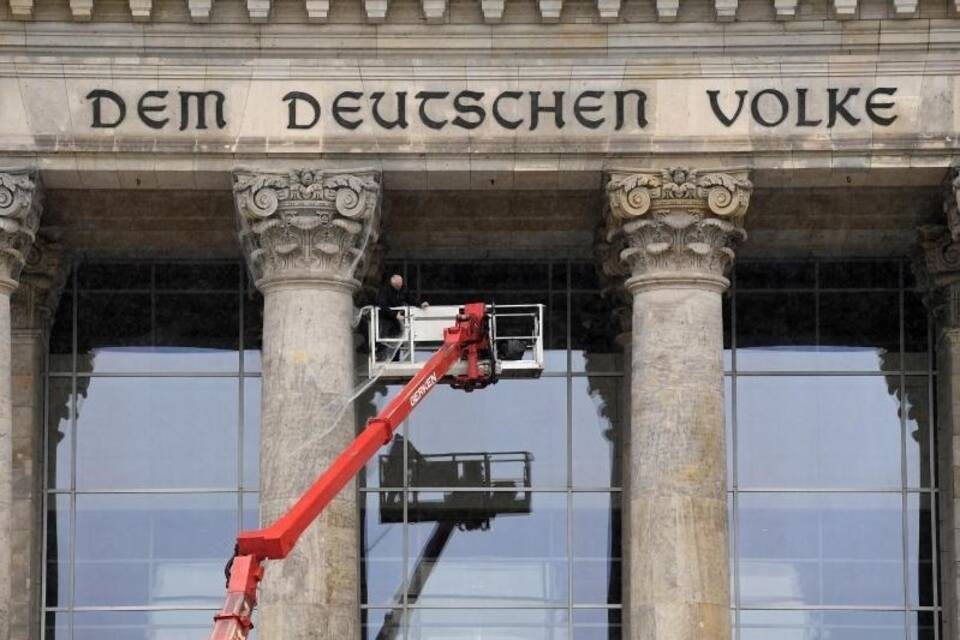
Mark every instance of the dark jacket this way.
pixel 389 297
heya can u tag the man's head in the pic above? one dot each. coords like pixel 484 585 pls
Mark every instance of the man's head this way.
pixel 396 281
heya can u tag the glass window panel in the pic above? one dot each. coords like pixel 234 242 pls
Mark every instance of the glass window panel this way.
pixel 252 389
pixel 503 548
pixel 597 566
pixel 594 328
pixel 197 332
pixel 153 549
pixel 115 332
pixel 198 276
pixel 374 624
pixel 451 276
pixel 158 433
pixel 813 432
pixel 389 460
pixel 728 428
pixel 836 549
pixel 861 274
pixel 61 336
pixel 521 425
pixel 775 275
pixel 555 336
pixel 584 276
pixel 727 302
pixel 822 625
pixel 558 276
pixel 916 334
pixel 252 332
pixel 56 626
pixel 488 624
pixel 381 565
pixel 115 276
pixel 860 331
pixel 58 551
pixel 59 433
pixel 915 402
pixel 919 550
pixel 599 405
pixel 776 331
pixel 142 625
pixel 250 516
pixel 597 624
pixel 922 625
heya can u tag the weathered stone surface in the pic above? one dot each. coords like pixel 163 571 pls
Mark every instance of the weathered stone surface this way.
pixel 675 229
pixel 19 220
pixel 938 269
pixel 307 237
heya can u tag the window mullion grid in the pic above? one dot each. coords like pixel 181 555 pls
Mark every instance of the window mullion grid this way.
pixel 734 545
pixel 904 480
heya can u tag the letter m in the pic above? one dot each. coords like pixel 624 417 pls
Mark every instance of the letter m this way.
pixel 199 98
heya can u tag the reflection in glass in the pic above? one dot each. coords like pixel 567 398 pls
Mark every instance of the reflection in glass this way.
pixel 859 274
pixel 251 433
pixel 919 550
pixel 56 626
pixel 158 433
pixel 596 548
pixel 776 331
pixel 922 625
pixel 507 559
pixel 597 624
pixel 815 431
pixel 141 625
pixel 526 416
pixel 594 328
pixel 598 406
pixel 381 562
pixel 821 549
pixel 139 549
pixel 859 331
pixel 466 624
pixel 915 402
pixel 916 333
pixel 59 433
pixel 58 551
pixel 821 625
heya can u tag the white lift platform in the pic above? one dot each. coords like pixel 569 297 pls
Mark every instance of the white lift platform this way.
pixel 516 333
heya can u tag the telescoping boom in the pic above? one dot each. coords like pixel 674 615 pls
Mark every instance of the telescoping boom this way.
pixel 468 339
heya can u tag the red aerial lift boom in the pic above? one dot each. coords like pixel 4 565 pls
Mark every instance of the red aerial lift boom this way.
pixel 469 338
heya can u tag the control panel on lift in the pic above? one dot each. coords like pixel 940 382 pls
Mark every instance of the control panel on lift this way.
pixel 398 350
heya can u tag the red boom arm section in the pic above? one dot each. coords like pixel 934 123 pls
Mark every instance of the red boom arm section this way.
pixel 467 337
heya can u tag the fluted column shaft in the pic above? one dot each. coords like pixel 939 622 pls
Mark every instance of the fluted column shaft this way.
pixel 19 221
pixel 938 269
pixel 676 229
pixel 306 235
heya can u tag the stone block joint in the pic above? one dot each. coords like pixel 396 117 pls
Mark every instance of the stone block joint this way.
pixel 677 224
pixel 308 225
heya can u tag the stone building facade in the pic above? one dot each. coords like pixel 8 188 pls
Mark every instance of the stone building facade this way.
pixel 741 215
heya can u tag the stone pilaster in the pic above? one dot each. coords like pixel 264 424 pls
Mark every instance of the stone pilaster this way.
pixel 937 267
pixel 307 237
pixel 677 229
pixel 19 219
pixel 32 310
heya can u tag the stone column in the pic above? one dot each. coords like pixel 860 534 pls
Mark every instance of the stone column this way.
pixel 32 310
pixel 678 228
pixel 938 268
pixel 19 219
pixel 306 236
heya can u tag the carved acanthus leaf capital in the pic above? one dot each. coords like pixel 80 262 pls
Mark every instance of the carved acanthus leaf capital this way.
pixel 936 266
pixel 308 224
pixel 20 210
pixel 679 221
pixel 951 203
pixel 613 273
pixel 42 282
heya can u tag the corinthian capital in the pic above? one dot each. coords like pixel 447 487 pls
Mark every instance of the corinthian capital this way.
pixel 19 220
pixel 677 223
pixel 308 224
pixel 42 282
pixel 937 263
